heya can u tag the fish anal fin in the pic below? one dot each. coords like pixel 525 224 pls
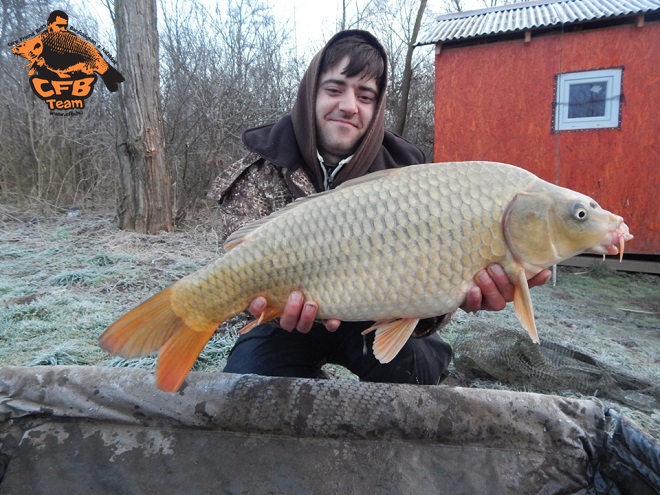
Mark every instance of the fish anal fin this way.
pixel 177 356
pixel 270 313
pixel 391 336
pixel 522 304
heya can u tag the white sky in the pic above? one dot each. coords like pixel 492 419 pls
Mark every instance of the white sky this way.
pixel 313 22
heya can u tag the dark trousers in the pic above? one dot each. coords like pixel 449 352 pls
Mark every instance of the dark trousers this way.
pixel 268 350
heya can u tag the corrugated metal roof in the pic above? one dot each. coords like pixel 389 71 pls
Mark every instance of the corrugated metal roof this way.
pixel 528 15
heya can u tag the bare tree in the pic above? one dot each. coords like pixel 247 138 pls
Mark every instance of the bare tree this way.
pixel 454 6
pixel 356 13
pixel 487 4
pixel 145 184
pixel 407 72
pixel 224 70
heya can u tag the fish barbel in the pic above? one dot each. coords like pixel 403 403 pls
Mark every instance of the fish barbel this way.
pixel 391 247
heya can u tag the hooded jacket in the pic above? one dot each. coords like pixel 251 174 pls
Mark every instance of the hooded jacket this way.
pixel 282 163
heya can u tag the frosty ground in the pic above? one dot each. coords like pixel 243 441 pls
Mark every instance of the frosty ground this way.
pixel 65 276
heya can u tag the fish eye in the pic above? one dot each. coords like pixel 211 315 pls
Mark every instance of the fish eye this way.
pixel 580 212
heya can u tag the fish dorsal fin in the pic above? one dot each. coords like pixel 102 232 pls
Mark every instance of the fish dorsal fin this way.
pixel 391 336
pixel 369 177
pixel 243 233
pixel 522 303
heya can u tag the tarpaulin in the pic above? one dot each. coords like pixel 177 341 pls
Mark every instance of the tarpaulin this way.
pixel 110 430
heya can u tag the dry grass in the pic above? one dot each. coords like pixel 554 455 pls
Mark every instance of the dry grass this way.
pixel 65 278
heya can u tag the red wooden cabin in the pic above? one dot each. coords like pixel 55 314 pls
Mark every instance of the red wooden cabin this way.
pixel 568 89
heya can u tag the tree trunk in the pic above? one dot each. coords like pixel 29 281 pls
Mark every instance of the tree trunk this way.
pixel 407 72
pixel 145 184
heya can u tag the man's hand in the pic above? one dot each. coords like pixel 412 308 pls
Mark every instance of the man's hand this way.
pixel 298 314
pixel 494 290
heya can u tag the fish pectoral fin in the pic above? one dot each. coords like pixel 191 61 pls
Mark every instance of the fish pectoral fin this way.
pixel 391 336
pixel 522 303
pixel 270 313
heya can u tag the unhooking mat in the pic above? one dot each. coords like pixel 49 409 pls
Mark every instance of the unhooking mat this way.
pixel 96 430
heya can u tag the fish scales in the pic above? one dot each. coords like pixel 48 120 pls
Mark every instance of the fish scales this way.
pixel 354 253
pixel 66 43
pixel 391 247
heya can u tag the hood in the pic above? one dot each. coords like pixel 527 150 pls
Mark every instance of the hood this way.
pixel 304 121
pixel 290 143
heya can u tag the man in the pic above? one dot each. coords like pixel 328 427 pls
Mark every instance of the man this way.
pixel 57 21
pixel 335 132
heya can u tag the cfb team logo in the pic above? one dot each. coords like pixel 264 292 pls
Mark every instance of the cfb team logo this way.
pixel 63 66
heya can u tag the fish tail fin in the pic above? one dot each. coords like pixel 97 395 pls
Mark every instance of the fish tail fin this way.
pixel 111 78
pixel 178 355
pixel 152 326
pixel 144 329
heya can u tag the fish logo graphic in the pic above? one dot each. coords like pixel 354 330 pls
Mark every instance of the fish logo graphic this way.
pixel 64 66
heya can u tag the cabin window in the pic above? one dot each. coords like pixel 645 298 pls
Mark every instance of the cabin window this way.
pixel 588 100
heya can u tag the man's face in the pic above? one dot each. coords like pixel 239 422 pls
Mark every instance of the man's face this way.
pixel 345 107
pixel 59 24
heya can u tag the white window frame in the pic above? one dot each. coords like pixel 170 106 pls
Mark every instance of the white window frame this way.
pixel 612 117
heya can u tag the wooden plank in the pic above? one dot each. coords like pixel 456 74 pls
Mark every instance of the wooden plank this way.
pixel 627 265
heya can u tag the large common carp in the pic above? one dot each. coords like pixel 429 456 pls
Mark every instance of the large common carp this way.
pixel 393 247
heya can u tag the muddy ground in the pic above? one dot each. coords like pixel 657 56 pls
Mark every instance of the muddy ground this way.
pixel 66 275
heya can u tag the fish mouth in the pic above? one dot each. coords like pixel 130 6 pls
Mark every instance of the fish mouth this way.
pixel 614 241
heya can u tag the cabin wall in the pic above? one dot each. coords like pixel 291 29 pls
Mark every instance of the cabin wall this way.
pixel 494 101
